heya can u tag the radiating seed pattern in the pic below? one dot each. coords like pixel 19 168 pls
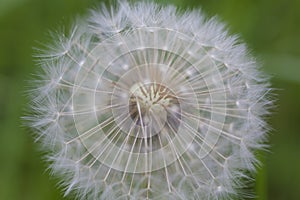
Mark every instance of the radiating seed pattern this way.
pixel 142 102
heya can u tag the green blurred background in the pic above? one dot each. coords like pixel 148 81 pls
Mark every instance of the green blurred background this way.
pixel 271 28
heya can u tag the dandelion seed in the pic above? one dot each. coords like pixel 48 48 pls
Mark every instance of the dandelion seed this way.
pixel 150 104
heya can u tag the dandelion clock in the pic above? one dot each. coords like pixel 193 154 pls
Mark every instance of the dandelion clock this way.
pixel 140 101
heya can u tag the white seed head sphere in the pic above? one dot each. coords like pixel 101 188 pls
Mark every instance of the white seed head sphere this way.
pixel 143 102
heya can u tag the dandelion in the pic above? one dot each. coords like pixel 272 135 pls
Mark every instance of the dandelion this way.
pixel 141 101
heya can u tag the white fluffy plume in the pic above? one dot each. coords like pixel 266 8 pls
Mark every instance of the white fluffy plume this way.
pixel 143 102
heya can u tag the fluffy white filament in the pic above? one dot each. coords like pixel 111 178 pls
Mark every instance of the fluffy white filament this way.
pixel 142 102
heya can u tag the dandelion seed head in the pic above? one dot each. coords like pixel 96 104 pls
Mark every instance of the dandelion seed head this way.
pixel 144 102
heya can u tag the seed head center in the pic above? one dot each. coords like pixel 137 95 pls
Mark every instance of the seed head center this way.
pixel 147 101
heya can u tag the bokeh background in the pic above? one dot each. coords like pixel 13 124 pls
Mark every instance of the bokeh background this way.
pixel 271 28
